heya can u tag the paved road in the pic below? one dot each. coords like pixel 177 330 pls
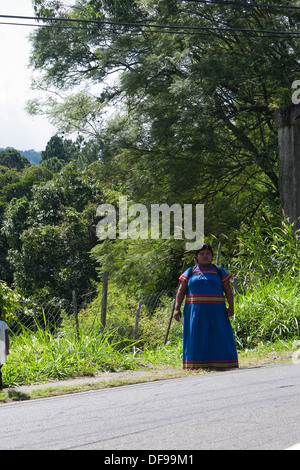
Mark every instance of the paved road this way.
pixel 242 409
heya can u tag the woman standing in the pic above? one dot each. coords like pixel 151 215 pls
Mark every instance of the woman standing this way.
pixel 208 340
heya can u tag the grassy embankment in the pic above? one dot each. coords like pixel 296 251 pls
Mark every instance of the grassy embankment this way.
pixel 266 324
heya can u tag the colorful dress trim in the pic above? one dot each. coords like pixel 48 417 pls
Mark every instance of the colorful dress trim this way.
pixel 225 277
pixel 215 365
pixel 207 299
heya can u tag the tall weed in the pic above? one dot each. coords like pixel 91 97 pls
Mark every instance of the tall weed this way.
pixel 266 252
pixel 268 314
pixel 42 355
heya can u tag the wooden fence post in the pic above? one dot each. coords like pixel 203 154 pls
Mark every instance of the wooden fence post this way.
pixel 75 310
pixel 104 298
pixel 137 318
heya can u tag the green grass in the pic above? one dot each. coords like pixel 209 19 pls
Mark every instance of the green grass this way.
pixel 42 356
pixel 260 356
pixel 266 322
pixel 269 314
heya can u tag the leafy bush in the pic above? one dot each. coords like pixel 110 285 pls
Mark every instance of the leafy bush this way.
pixel 9 301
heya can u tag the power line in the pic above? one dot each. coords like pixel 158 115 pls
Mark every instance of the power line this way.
pixel 146 27
pixel 31 25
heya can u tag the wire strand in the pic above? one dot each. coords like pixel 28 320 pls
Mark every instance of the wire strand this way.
pixel 147 27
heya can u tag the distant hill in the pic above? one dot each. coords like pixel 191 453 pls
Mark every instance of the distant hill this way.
pixel 33 156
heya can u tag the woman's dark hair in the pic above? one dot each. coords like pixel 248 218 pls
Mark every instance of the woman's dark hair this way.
pixel 204 246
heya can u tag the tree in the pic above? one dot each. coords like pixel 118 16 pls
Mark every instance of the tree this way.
pixel 196 105
pixel 16 190
pixel 11 158
pixel 58 153
pixel 51 235
pixel 54 259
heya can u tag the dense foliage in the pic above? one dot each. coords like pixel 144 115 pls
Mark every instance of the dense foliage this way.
pixel 177 100
pixel 48 224
pixel 196 121
pixel 172 102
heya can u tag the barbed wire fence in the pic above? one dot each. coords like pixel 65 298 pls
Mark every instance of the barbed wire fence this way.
pixel 32 314
pixel 156 307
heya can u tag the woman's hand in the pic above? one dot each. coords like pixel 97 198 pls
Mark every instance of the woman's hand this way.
pixel 181 291
pixel 177 314
pixel 229 296
pixel 230 312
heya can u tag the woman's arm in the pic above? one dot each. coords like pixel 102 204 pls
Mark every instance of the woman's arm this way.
pixel 229 296
pixel 181 291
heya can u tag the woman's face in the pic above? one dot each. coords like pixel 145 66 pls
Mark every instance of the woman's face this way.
pixel 204 257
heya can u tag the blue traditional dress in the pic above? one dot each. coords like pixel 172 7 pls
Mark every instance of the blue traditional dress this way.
pixel 208 340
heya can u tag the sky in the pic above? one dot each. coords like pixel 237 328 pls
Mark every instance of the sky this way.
pixel 17 128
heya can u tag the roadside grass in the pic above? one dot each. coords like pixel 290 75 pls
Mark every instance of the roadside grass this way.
pixel 42 356
pixel 18 371
pixel 266 328
pixel 10 395
pixel 268 314
pixel 259 357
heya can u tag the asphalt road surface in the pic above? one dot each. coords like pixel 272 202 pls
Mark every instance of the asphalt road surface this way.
pixel 243 409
